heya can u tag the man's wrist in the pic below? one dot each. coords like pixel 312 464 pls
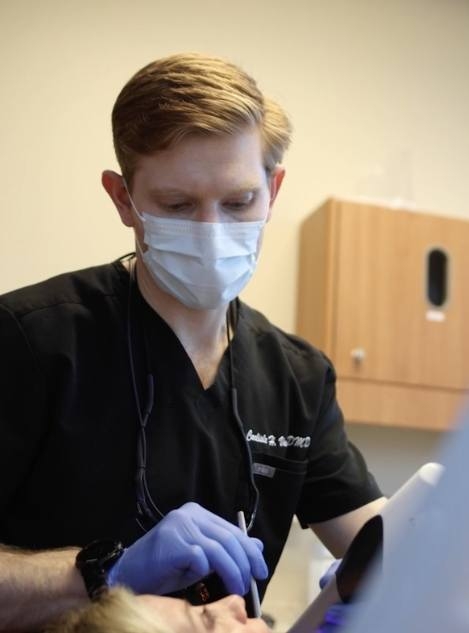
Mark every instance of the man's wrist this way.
pixel 95 561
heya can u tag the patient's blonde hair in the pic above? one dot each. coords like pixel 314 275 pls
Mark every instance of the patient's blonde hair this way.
pixel 116 611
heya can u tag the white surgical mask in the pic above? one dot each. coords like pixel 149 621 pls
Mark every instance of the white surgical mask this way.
pixel 202 264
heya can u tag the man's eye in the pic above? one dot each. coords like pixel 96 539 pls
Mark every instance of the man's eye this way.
pixel 238 205
pixel 178 206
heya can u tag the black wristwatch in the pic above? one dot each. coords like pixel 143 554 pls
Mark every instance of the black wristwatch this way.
pixel 94 560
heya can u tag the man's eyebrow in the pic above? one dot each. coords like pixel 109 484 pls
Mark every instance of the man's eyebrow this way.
pixel 168 191
pixel 159 191
pixel 251 188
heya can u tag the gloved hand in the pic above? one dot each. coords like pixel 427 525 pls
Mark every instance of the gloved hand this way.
pixel 336 618
pixel 186 545
pixel 329 573
pixel 337 615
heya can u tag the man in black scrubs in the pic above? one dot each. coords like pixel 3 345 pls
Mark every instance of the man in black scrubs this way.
pixel 142 403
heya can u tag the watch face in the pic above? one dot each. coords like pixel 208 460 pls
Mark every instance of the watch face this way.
pixel 93 562
pixel 101 552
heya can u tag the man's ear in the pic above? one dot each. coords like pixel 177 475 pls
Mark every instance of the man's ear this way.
pixel 113 183
pixel 276 180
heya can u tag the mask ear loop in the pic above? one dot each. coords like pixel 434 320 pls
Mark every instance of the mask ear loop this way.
pixel 132 203
pixel 139 215
pixel 254 492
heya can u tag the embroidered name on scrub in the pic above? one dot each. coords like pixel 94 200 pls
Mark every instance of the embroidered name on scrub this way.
pixel 270 440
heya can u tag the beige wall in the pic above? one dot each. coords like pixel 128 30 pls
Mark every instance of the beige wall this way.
pixel 377 90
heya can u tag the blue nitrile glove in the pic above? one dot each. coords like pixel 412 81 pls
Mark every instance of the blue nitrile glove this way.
pixel 336 618
pixel 337 615
pixel 330 571
pixel 185 546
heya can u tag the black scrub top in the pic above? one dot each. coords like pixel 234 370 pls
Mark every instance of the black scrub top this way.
pixel 68 420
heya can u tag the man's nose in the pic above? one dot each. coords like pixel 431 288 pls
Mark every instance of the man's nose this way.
pixel 209 211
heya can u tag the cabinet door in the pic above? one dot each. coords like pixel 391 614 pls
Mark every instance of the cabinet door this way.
pixel 381 301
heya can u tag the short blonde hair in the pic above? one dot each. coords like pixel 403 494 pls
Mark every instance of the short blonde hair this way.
pixel 191 93
pixel 116 611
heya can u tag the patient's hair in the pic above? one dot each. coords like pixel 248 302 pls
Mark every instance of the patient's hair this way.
pixel 116 611
pixel 190 93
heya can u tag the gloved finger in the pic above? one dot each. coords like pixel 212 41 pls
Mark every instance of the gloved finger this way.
pixel 330 571
pixel 193 565
pixel 241 547
pixel 335 618
pixel 258 543
pixel 234 548
pixel 228 568
pixel 218 528
pixel 254 552
pixel 186 568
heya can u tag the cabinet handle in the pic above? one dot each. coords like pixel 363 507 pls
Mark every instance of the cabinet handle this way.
pixel 437 277
pixel 358 354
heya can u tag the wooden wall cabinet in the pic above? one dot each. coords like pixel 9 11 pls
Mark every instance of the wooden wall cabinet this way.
pixel 364 298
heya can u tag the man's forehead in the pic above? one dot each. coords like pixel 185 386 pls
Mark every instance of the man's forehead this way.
pixel 238 155
pixel 159 179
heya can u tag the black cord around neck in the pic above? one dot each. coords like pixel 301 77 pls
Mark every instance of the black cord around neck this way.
pixel 231 319
pixel 148 511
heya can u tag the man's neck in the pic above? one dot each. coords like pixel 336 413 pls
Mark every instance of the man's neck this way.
pixel 202 333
